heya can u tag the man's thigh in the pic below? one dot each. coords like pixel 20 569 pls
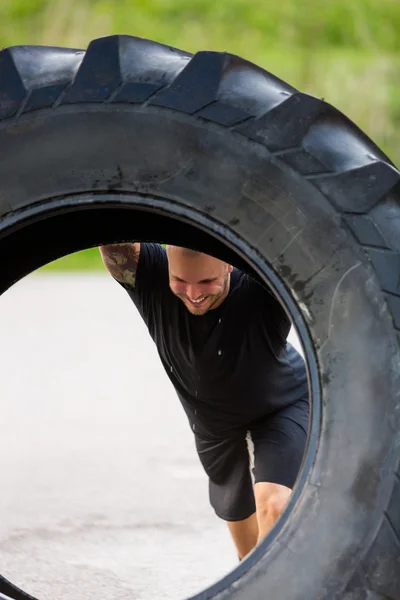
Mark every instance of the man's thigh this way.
pixel 226 462
pixel 279 442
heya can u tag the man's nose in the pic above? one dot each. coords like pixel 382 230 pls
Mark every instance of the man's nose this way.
pixel 193 291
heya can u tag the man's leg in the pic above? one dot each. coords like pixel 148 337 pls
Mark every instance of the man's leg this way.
pixel 245 534
pixel 271 500
pixel 226 462
pixel 278 446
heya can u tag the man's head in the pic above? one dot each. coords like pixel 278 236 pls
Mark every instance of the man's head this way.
pixel 199 280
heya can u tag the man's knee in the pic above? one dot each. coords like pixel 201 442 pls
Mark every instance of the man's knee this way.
pixel 271 500
pixel 275 505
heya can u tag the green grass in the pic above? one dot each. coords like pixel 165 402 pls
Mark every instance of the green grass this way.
pixel 85 260
pixel 347 52
pixel 249 25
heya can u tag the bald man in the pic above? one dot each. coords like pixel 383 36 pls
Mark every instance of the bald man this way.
pixel 221 338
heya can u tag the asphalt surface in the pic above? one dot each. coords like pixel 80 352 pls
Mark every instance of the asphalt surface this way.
pixel 101 488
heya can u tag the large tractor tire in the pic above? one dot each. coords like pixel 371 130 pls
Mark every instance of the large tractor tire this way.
pixel 134 140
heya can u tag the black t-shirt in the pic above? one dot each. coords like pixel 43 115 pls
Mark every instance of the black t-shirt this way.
pixel 230 366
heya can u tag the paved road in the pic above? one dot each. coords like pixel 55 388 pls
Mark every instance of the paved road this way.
pixel 101 489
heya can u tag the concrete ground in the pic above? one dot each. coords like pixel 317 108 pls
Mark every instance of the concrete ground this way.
pixel 101 488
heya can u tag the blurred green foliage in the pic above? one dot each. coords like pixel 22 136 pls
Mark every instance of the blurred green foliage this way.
pixel 347 52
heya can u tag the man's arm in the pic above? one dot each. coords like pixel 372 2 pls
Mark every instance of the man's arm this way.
pixel 121 260
pixel 273 312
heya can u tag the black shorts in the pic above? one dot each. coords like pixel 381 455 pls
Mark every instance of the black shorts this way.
pixel 276 444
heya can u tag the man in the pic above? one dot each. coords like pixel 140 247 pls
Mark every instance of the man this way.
pixel 221 337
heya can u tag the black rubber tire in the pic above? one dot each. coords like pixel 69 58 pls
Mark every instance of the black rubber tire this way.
pixel 129 140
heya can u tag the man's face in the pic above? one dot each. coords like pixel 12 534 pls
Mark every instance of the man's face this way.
pixel 199 280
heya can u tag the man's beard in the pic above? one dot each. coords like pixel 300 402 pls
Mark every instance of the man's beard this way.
pixel 198 312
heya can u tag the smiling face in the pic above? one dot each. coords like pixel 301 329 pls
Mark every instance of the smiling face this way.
pixel 199 280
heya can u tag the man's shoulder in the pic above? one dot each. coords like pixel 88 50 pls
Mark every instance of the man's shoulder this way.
pixel 153 262
pixel 243 284
pixel 153 251
pixel 254 294
pixel 152 272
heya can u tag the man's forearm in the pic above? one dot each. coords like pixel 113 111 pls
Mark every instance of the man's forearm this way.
pixel 121 260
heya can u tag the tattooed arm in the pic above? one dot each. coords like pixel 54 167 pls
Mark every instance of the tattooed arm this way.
pixel 121 261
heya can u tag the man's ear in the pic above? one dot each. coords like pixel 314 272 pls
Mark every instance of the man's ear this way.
pixel 230 268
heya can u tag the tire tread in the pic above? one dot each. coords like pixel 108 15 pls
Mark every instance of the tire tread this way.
pixel 302 131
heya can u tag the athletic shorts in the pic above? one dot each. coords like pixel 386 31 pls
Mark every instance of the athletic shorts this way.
pixel 270 450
